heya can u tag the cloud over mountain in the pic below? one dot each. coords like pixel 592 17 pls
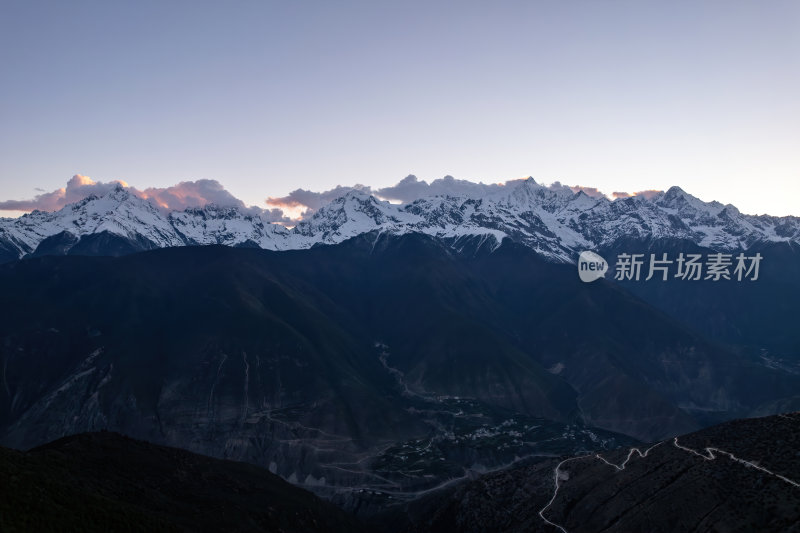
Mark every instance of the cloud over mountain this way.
pixel 78 188
pixel 185 194
pixel 289 209
pixel 648 194
pixel 191 194
pixel 411 188
pixel 304 199
pixel 407 190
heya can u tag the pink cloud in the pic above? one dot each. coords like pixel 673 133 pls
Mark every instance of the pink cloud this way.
pixel 78 187
pixel 647 195
pixel 190 194
pixel 289 209
pixel 589 191
pixel 185 194
pixel 303 202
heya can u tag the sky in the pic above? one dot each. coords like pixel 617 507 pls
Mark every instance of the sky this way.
pixel 263 98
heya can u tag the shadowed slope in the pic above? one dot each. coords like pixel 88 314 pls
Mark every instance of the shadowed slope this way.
pixel 107 482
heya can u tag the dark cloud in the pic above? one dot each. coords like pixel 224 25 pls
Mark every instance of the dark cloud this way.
pixel 277 216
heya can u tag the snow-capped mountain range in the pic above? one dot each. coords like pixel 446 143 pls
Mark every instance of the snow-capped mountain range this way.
pixel 555 222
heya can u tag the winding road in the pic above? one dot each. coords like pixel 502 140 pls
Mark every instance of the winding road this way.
pixel 708 454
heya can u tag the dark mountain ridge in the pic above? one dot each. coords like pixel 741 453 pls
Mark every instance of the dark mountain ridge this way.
pixel 740 476
pixel 314 362
pixel 107 482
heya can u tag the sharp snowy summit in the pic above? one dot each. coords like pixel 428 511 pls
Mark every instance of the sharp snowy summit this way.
pixel 555 222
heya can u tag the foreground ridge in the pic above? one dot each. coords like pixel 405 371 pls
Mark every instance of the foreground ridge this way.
pixel 749 464
pixel 711 454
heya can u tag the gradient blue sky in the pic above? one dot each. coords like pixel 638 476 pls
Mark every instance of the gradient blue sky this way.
pixel 267 97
